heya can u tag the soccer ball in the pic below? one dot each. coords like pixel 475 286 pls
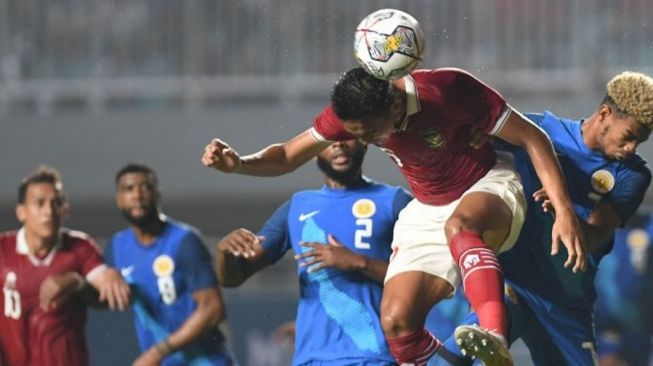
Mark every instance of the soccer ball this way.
pixel 388 43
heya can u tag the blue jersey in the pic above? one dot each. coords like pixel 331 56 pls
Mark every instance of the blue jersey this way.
pixel 338 312
pixel 163 276
pixel 590 177
pixel 625 300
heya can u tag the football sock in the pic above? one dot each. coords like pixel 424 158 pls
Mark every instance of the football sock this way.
pixel 414 348
pixel 482 279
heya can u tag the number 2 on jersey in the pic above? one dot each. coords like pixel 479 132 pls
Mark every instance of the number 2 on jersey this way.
pixel 363 233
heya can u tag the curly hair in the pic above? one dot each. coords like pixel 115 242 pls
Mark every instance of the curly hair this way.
pixel 358 95
pixel 632 94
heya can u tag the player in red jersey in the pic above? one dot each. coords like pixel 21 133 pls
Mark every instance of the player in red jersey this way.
pixel 41 266
pixel 469 205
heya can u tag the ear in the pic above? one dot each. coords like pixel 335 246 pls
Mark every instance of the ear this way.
pixel 21 213
pixel 604 112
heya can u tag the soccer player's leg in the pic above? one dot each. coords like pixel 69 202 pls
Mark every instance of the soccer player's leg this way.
pixel 556 335
pixel 407 298
pixel 493 205
pixel 421 272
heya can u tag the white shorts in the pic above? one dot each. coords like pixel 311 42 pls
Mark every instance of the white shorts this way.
pixel 419 242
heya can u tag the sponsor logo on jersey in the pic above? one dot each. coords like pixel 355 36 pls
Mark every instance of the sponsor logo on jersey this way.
pixel 163 265
pixel 433 138
pixel 126 271
pixel 306 216
pixel 603 181
pixel 363 208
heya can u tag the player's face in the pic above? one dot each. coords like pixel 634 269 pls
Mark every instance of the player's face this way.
pixel 137 198
pixel 375 131
pixel 343 156
pixel 620 136
pixel 43 211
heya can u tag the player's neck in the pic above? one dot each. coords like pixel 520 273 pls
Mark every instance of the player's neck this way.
pixel 342 184
pixel 147 233
pixel 590 130
pixel 40 246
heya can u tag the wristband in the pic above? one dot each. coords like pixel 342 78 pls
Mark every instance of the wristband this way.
pixel 164 348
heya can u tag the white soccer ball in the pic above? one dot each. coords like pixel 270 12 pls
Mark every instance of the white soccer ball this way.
pixel 389 43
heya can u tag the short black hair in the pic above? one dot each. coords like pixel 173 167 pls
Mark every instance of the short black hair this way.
pixel 358 95
pixel 137 168
pixel 42 174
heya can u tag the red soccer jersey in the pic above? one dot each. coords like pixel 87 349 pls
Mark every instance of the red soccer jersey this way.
pixel 432 147
pixel 29 335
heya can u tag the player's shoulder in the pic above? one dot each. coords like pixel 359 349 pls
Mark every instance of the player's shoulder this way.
pixel 639 165
pixel 8 239
pixel 442 76
pixel 78 240
pixel 385 188
pixel 183 230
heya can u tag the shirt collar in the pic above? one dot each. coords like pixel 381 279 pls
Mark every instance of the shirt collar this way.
pixel 23 249
pixel 412 100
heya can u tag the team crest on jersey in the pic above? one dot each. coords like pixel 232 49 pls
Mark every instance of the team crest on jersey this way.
pixel 638 239
pixel 433 138
pixel 602 181
pixel 163 265
pixel 363 208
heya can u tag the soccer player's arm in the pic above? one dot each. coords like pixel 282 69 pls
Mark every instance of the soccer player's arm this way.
pixel 242 253
pixel 281 158
pixel 112 291
pixel 197 268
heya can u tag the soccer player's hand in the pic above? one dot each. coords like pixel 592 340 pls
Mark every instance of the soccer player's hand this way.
pixel 56 289
pixel 333 254
pixel 219 155
pixel 241 243
pixel 151 357
pixel 541 196
pixel 479 138
pixel 567 230
pixel 113 289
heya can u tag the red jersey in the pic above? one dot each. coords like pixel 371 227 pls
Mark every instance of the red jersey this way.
pixel 432 146
pixel 29 335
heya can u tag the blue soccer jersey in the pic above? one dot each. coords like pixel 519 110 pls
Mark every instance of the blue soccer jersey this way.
pixel 163 277
pixel 590 177
pixel 338 312
pixel 624 306
pixel 550 307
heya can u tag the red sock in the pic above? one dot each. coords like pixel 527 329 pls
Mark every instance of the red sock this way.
pixel 482 279
pixel 414 348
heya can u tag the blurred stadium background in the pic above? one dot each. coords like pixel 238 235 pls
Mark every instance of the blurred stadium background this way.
pixel 86 86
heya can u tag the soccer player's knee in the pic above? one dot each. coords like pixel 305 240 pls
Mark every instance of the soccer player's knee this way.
pixel 394 319
pixel 456 224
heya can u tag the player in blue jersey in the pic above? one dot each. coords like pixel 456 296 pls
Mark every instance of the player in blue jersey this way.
pixel 341 236
pixel 551 308
pixel 177 303
pixel 624 305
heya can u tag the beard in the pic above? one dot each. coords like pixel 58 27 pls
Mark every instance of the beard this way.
pixel 346 176
pixel 148 217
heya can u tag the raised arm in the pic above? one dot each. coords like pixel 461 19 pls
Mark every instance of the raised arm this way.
pixel 274 160
pixel 239 256
pixel 519 131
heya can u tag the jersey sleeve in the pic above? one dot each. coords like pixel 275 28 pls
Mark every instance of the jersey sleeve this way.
pixel 275 231
pixel 91 259
pixel 470 101
pixel 629 193
pixel 401 199
pixel 328 127
pixel 196 263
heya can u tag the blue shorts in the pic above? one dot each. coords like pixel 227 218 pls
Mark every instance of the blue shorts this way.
pixel 554 335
